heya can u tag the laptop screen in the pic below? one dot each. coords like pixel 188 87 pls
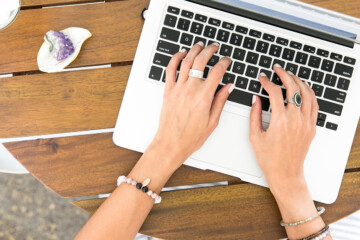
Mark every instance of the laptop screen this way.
pixel 279 19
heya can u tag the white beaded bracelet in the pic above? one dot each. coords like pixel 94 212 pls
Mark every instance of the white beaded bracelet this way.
pixel 321 210
pixel 142 186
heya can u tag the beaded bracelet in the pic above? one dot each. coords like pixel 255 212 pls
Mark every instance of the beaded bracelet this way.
pixel 321 210
pixel 323 233
pixel 142 186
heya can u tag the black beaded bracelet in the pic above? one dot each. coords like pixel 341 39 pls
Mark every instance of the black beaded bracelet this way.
pixel 312 236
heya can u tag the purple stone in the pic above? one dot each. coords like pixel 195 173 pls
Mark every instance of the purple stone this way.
pixel 61 45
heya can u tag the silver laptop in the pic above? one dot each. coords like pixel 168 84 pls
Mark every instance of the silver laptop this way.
pixel 320 46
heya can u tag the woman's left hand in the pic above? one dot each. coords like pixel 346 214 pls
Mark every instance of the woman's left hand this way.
pixel 190 111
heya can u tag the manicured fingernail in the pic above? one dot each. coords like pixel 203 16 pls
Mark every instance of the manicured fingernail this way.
pixel 290 73
pixel 231 88
pixel 201 43
pixel 263 74
pixel 277 65
pixel 253 99
pixel 183 50
pixel 228 58
pixel 216 44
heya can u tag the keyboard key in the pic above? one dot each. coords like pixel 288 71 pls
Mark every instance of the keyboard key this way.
pixel 314 62
pixel 201 18
pixel 213 60
pixel 262 47
pixel 288 54
pixel 275 50
pixel 167 47
pixel 265 61
pixel 309 49
pixel 196 28
pixel 183 24
pixel 214 22
pixel 336 56
pixel 206 72
pixel 295 45
pixel 276 79
pixel 343 84
pixel 317 76
pixel 241 97
pixel 327 65
pixel 238 68
pixel 335 95
pixel 249 43
pixel 252 58
pixel 254 86
pixel 318 90
pixel 173 10
pixel 343 70
pixel 301 58
pixel 241 29
pixel 282 41
pixel 161 59
pixel 304 72
pixel 321 116
pixel 227 25
pixel 269 37
pixel 322 52
pixel 320 122
pixel 187 14
pixel 226 50
pixel 265 103
pixel 170 34
pixel 155 73
pixel 239 54
pixel 267 73
pixel 186 39
pixel 329 107
pixel 281 63
pixel 210 32
pixel 255 33
pixel 200 39
pixel 236 39
pixel 330 80
pixel 228 78
pixel 292 68
pixel 252 71
pixel 241 82
pixel 331 126
pixel 348 60
pixel 170 20
pixel 223 35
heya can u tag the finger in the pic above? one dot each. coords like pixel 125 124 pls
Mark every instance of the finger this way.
pixel 289 83
pixel 275 93
pixel 255 118
pixel 218 104
pixel 216 74
pixel 306 95
pixel 188 61
pixel 170 77
pixel 202 59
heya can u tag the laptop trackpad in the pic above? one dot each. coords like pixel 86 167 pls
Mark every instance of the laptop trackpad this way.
pixel 228 149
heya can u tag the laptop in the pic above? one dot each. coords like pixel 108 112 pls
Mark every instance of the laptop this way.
pixel 318 45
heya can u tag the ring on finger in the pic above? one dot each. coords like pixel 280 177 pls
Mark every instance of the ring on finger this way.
pixel 196 73
pixel 296 99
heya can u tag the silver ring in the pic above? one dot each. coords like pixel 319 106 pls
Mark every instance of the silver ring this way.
pixel 296 100
pixel 196 73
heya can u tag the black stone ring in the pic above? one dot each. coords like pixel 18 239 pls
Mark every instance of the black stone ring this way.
pixel 296 99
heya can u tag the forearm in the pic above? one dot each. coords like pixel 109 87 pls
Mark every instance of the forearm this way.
pixel 123 213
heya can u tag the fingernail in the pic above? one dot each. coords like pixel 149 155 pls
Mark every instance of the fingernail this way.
pixel 277 65
pixel 183 50
pixel 228 58
pixel 253 99
pixel 201 43
pixel 216 44
pixel 263 74
pixel 231 88
pixel 290 73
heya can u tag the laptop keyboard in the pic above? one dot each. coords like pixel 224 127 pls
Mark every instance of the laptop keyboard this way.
pixel 252 52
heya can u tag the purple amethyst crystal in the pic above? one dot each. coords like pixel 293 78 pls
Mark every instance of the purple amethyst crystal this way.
pixel 61 46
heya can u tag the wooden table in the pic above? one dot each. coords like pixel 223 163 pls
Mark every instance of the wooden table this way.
pixel 34 103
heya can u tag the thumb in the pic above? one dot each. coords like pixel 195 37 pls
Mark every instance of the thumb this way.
pixel 256 117
pixel 219 102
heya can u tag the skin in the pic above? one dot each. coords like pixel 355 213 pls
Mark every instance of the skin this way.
pixel 190 113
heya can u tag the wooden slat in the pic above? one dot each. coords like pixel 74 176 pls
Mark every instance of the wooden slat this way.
pixel 115 27
pixel 349 7
pixel 61 102
pixel 354 158
pixel 39 3
pixel 89 165
pixel 242 211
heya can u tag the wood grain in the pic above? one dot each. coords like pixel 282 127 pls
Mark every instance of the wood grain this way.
pixel 242 211
pixel 61 102
pixel 115 27
pixel 349 7
pixel 41 3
